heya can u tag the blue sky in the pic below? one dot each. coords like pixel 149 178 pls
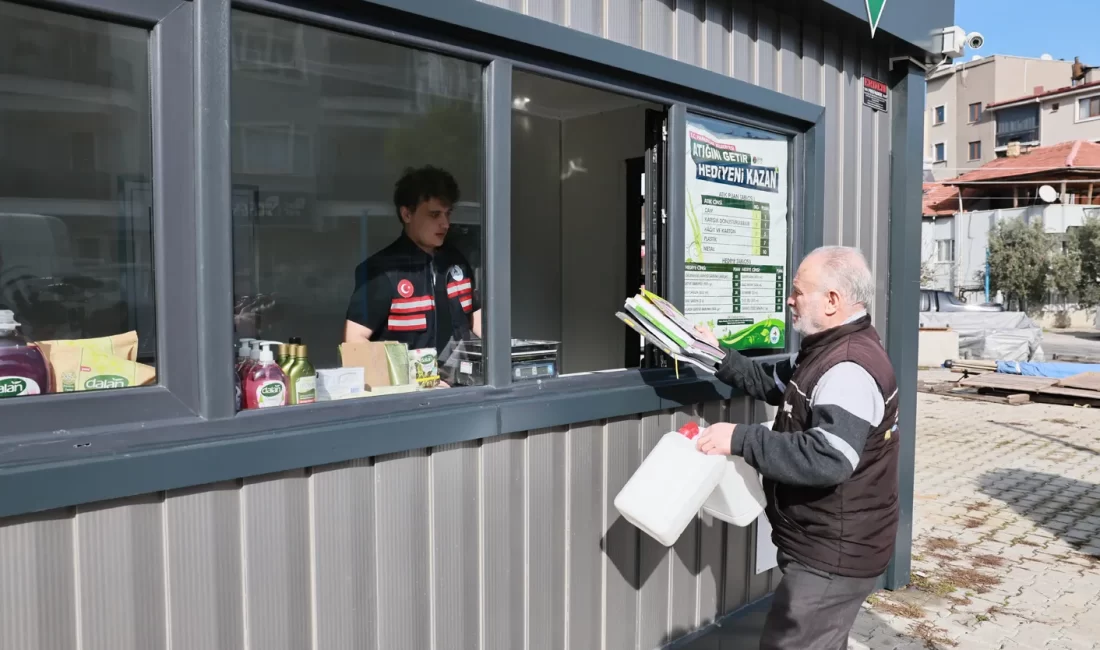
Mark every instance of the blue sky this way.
pixel 1061 28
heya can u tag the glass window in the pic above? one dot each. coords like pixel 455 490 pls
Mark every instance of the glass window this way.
pixel 1090 108
pixel 76 263
pixel 975 112
pixel 358 179
pixel 945 250
pixel 940 115
pixel 939 151
pixel 975 150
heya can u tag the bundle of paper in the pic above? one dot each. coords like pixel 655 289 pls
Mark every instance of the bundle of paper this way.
pixel 662 325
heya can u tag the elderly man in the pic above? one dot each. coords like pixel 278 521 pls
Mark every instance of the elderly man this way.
pixel 829 461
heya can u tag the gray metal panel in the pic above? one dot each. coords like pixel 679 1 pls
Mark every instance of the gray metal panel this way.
pixel 740 564
pixel 718 32
pixel 37 582
pixel 767 47
pixel 790 56
pixel 586 16
pixel 504 489
pixel 622 456
pixel 584 530
pixel 759 583
pixel 908 88
pixel 624 22
pixel 214 192
pixel 275 513
pixel 344 569
pixel 202 527
pixel 690 20
pixel 546 529
pixel 456 556
pixel 498 226
pixel 711 542
pixel 403 550
pixel 813 61
pixel 551 10
pixel 868 162
pixel 848 166
pixel 881 262
pixel 654 559
pixel 744 42
pixel 683 592
pixel 120 575
pixel 657 27
pixel 832 79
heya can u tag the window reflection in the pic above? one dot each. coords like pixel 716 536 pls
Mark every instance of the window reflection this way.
pixel 76 194
pixel 324 125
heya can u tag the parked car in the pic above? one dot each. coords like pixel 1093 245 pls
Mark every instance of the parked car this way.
pixel 935 300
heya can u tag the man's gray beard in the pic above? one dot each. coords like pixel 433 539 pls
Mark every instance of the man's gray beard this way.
pixel 805 327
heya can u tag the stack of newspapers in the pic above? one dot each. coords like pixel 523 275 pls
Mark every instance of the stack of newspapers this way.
pixel 662 325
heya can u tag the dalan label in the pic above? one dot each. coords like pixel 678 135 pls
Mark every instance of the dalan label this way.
pixel 18 386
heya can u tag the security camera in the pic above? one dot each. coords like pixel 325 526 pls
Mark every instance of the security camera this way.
pixel 975 40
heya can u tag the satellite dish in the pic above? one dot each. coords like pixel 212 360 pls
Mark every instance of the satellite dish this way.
pixel 1048 194
pixel 976 57
pixel 1047 57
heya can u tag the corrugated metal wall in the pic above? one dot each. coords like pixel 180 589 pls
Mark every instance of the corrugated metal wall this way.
pixel 789 53
pixel 502 544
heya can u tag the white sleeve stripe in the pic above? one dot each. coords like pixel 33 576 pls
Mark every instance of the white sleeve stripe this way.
pixel 836 442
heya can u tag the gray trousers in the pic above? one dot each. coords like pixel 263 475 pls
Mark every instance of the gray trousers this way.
pixel 811 609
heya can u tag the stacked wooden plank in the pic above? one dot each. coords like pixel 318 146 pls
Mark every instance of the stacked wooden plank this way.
pixel 1078 390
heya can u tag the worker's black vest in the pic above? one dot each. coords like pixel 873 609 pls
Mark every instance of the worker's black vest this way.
pixel 418 286
pixel 848 529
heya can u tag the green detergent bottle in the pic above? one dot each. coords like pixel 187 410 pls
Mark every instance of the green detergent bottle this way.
pixel 301 377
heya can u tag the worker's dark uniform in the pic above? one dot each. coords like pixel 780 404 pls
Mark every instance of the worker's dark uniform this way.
pixel 406 295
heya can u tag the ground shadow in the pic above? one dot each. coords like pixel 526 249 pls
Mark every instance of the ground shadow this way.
pixel 1067 508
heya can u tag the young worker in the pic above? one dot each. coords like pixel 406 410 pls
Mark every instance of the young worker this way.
pixel 418 290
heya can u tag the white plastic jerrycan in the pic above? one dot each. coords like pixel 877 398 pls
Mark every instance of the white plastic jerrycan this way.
pixel 670 486
pixel 738 498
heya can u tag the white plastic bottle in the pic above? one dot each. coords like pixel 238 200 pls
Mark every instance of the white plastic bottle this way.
pixel 670 486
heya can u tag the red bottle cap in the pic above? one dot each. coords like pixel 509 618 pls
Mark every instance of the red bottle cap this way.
pixel 689 430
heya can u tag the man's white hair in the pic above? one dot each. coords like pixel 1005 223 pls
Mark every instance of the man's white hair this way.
pixel 845 270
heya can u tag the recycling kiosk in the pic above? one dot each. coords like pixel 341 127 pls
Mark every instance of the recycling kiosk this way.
pixel 204 171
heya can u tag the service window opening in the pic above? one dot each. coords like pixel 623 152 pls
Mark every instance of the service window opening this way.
pixel 578 158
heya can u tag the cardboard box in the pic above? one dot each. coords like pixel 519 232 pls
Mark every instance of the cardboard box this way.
pixel 371 357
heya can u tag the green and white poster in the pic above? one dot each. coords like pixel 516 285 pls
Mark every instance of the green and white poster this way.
pixel 736 258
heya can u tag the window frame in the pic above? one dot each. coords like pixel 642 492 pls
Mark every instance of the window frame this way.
pixel 970 113
pixel 1080 106
pixel 936 119
pixel 175 396
pixel 970 151
pixel 936 148
pixel 185 431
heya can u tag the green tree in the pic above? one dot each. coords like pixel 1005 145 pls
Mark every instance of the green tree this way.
pixel 1020 257
pixel 1085 242
pixel 1065 273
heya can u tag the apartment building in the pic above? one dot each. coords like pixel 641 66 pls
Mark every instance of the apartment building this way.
pixel 1069 112
pixel 959 133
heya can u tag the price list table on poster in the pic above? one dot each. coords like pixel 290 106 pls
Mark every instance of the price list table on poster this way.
pixel 734 228
pixel 720 289
pixel 758 289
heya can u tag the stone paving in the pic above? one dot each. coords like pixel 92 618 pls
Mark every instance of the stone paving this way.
pixel 1006 537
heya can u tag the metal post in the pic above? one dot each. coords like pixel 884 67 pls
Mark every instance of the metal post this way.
pixel 906 173
pixel 497 314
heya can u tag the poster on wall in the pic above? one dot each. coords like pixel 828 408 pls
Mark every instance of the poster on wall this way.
pixel 736 258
